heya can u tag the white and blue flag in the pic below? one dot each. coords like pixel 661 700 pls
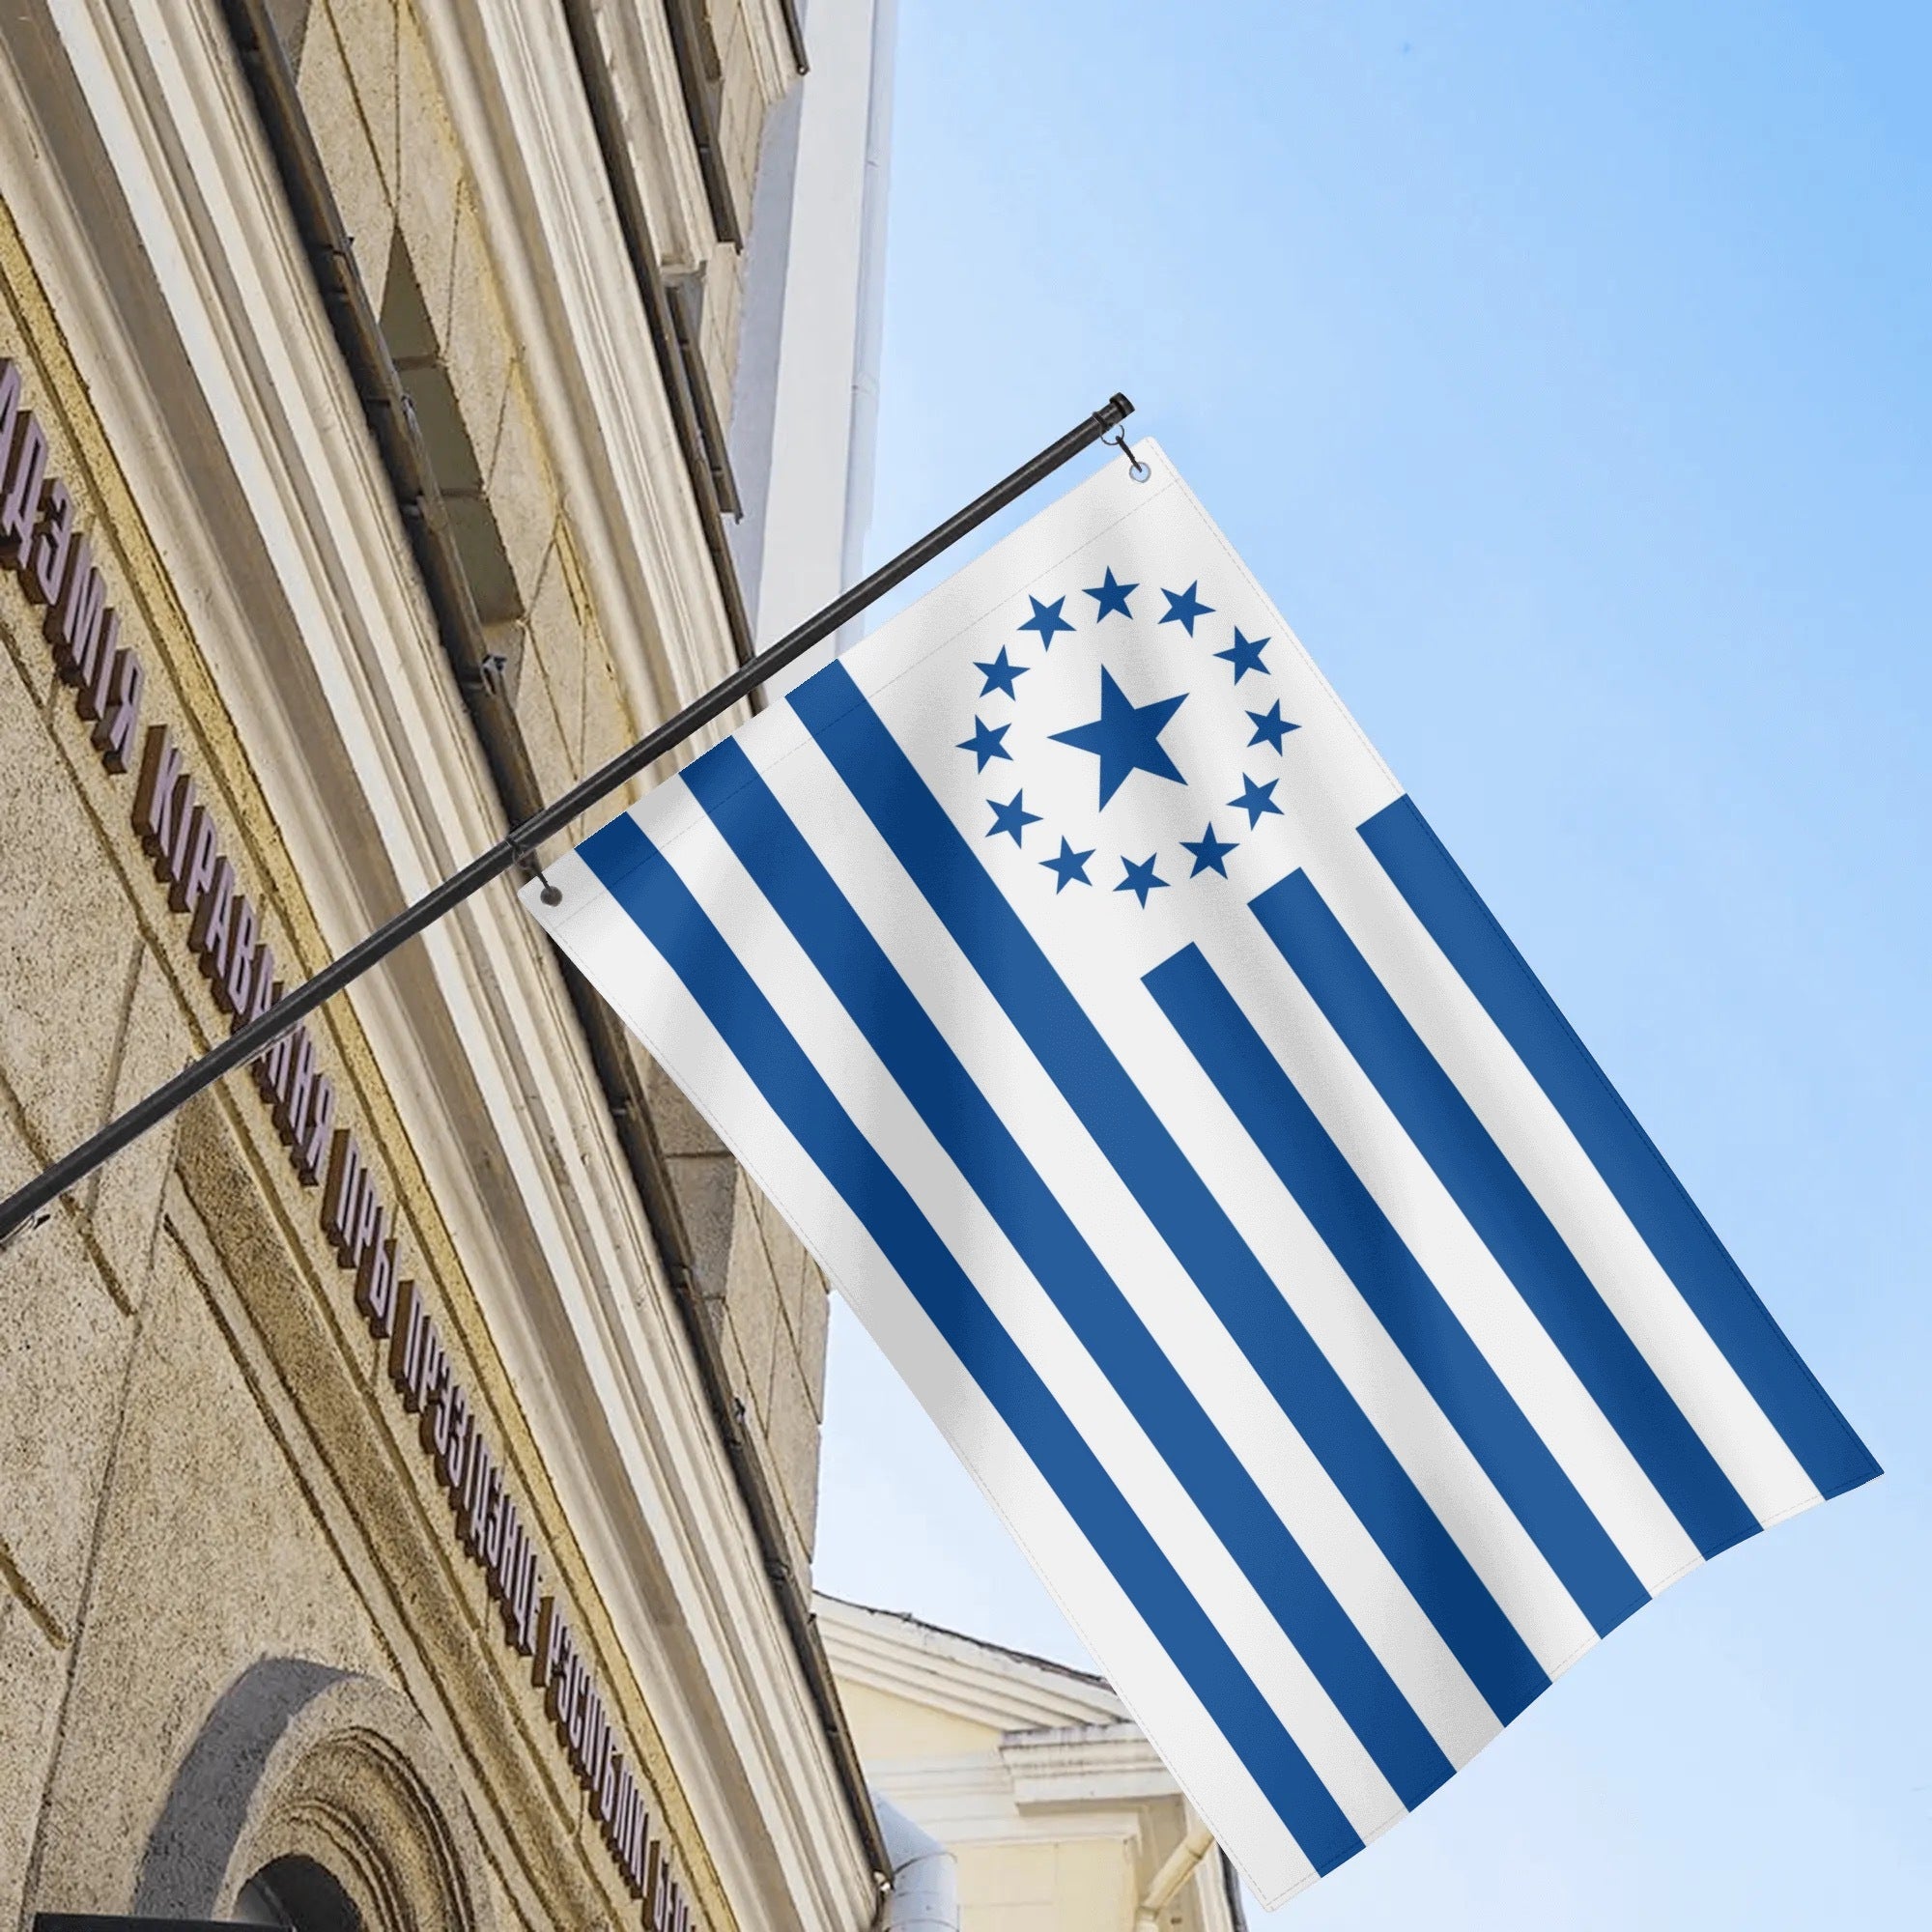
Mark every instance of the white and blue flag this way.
pixel 1072 975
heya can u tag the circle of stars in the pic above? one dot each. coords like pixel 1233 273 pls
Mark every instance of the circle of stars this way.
pixel 1125 738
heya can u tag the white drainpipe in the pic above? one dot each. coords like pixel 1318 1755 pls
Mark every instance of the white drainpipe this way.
pixel 1174 1872
pixel 925 1879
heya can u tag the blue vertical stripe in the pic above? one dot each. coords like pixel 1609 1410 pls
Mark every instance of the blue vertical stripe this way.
pixel 1356 1232
pixel 965 1123
pixel 638 878
pixel 1192 1223
pixel 1686 1248
pixel 1504 1213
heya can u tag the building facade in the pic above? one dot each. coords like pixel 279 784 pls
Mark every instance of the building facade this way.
pixel 1057 1813
pixel 408 1454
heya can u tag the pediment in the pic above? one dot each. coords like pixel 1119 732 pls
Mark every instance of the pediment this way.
pixel 962 1676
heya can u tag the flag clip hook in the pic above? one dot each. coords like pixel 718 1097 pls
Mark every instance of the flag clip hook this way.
pixel 550 895
pixel 1136 468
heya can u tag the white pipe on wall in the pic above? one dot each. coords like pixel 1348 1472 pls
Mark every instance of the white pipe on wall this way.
pixel 926 1878
pixel 1176 1870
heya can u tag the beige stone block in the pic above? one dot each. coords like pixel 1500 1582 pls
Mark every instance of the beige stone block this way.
pixel 431 173
pixel 31 1676
pixel 67 944
pixel 717 337
pixel 789 1261
pixel 607 723
pixel 63 1361
pixel 706 1186
pixel 813 1330
pixel 556 640
pixel 543 733
pixel 522 497
pixel 605 711
pixel 348 153
pixel 791 1431
pixel 741 107
pixel 479 352
pixel 123 1201
pixel 751 1302
pixel 738 149
pixel 730 34
pixel 366 31
pixel 581 689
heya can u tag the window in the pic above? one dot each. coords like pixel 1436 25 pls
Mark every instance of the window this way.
pixel 417 355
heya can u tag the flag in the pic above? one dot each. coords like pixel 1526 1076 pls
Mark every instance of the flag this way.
pixel 1070 972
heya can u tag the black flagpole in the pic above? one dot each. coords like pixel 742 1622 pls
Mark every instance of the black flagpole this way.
pixel 247 1040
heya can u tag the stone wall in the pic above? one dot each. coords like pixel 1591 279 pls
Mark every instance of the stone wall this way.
pixel 369 86
pixel 202 1464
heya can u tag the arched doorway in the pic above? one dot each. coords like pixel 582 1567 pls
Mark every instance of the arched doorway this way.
pixel 315 1800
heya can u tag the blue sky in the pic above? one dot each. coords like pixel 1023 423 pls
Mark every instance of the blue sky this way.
pixel 1566 374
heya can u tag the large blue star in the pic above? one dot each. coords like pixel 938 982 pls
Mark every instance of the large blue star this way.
pixel 1068 869
pixel 1001 673
pixel 1139 879
pixel 984 742
pixel 1012 818
pixel 1270 727
pixel 1211 854
pixel 1183 606
pixel 1257 799
pixel 1111 597
pixel 1246 656
pixel 1125 737
pixel 1047 620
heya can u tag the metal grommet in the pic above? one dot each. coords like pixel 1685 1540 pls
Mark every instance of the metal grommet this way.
pixel 1136 468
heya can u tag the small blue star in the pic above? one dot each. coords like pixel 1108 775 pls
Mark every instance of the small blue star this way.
pixel 1111 597
pixel 1069 868
pixel 1183 606
pixel 1211 854
pixel 1012 817
pixel 1246 656
pixel 984 742
pixel 1139 879
pixel 1257 799
pixel 1001 673
pixel 1270 727
pixel 1125 737
pixel 1047 620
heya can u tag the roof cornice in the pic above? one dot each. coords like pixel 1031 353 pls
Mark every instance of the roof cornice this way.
pixel 983 1682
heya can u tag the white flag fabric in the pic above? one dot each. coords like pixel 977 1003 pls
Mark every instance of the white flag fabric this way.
pixel 1072 975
